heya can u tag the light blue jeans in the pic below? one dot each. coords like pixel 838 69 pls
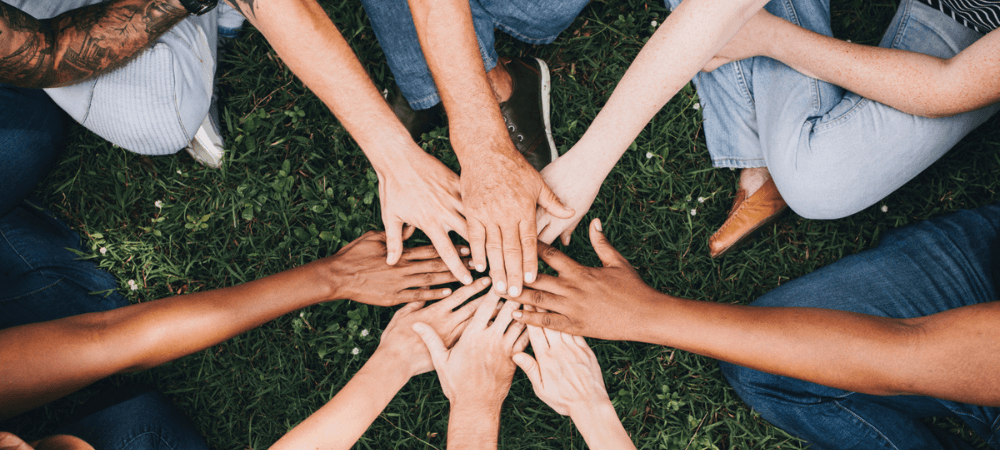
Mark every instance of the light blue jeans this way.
pixel 153 105
pixel 531 21
pixel 831 152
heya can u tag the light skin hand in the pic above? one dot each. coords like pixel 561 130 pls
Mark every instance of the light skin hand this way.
pixel 361 273
pixel 564 373
pixel 577 187
pixel 425 194
pixel 600 302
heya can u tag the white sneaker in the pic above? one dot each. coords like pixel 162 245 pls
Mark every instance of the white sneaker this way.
pixel 207 145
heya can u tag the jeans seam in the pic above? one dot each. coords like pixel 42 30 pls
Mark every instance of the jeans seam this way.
pixel 12 247
pixel 534 41
pixel 995 429
pixel 872 427
pixel 744 88
pixel 60 280
pixel 145 433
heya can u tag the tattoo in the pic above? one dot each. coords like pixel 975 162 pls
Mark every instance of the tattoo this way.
pixel 246 7
pixel 81 43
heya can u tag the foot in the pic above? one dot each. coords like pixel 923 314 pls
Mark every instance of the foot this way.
pixel 207 145
pixel 750 212
pixel 526 111
pixel 416 121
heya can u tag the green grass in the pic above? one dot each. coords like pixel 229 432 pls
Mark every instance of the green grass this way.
pixel 296 188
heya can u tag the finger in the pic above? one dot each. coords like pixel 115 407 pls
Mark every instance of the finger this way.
pixel 530 368
pixel 422 253
pixel 551 203
pixel 458 224
pixel 529 251
pixel 449 254
pixel 410 307
pixel 512 259
pixel 609 256
pixel 393 241
pixel 494 252
pixel 408 231
pixel 540 298
pixel 565 236
pixel 521 343
pixel 555 258
pixel 439 354
pixel 504 318
pixel 420 295
pixel 513 334
pixel 538 340
pixel 428 279
pixel 544 320
pixel 477 243
pixel 488 305
pixel 462 294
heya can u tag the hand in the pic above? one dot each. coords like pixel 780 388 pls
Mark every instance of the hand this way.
pixel 600 302
pixel 407 348
pixel 569 181
pixel 500 191
pixel 752 40
pixel 566 375
pixel 425 195
pixel 359 272
pixel 477 371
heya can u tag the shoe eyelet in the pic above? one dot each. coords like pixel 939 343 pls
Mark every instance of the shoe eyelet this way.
pixel 520 138
pixel 511 128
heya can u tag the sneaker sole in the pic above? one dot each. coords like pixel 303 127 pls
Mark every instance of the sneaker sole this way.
pixel 546 88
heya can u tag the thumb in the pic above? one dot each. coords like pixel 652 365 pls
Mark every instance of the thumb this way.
pixel 608 255
pixel 433 342
pixel 393 241
pixel 565 236
pixel 530 368
pixel 551 204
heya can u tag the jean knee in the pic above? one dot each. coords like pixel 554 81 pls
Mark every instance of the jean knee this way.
pixel 816 196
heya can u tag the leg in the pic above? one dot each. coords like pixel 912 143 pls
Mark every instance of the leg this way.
pixel 32 135
pixel 850 152
pixel 916 271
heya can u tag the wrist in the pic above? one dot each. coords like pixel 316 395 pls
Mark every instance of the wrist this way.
pixel 385 364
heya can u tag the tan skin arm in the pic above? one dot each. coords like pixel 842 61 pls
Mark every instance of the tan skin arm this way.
pixel 44 361
pixel 81 43
pixel 951 355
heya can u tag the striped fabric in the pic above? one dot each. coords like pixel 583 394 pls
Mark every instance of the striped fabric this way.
pixel 980 15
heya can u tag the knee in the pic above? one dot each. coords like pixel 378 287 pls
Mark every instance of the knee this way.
pixel 755 388
pixel 816 195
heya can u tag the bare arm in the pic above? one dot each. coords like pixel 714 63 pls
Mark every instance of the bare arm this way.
pixel 44 361
pixel 950 355
pixel 81 43
pixel 910 82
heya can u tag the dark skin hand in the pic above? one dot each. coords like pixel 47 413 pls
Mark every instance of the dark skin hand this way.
pixel 81 43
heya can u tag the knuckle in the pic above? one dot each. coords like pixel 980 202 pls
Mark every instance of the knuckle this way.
pixel 550 252
pixel 546 320
pixel 529 241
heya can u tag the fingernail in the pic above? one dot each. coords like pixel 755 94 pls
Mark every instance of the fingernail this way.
pixel 480 267
pixel 516 314
pixel 463 251
pixel 597 224
pixel 467 279
pixel 445 291
pixel 390 256
pixel 515 291
pixel 501 287
pixel 486 281
pixel 529 277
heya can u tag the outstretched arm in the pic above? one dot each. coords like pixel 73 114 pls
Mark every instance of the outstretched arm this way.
pixel 41 362
pixel 908 81
pixel 81 43
pixel 684 43
pixel 950 355
pixel 414 187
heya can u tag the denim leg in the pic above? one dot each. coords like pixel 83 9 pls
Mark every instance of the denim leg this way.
pixel 40 279
pixel 531 21
pixel 918 270
pixel 845 153
pixel 144 422
pixel 32 135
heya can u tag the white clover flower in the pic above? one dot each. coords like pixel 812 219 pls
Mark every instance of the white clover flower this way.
pixel 885 208
pixel 701 199
pixel 649 155
pixel 132 285
pixel 158 204
pixel 653 24
pixel 364 332
pixel 355 351
pixel 179 171
pixel 694 212
pixel 696 106
pixel 104 251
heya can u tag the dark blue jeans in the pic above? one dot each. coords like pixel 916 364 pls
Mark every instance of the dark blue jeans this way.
pixel 918 270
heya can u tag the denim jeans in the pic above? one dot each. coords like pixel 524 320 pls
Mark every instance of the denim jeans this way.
pixel 153 105
pixel 531 21
pixel 918 270
pixel 831 152
pixel 32 136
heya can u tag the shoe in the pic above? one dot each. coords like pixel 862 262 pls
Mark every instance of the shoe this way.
pixel 526 112
pixel 417 122
pixel 207 146
pixel 747 216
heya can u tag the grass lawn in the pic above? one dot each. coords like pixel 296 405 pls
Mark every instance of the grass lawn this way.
pixel 295 188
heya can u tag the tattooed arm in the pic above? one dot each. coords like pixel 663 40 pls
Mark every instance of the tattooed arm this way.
pixel 81 43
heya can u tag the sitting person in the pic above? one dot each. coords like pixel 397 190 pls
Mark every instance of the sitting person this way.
pixel 851 356
pixel 829 152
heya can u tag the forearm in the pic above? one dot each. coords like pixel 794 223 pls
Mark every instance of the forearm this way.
pixel 947 355
pixel 684 43
pixel 600 427
pixel 911 82
pixel 342 421
pixel 44 361
pixel 81 43
pixel 473 426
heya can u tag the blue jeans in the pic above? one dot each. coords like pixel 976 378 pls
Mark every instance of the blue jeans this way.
pixel 918 270
pixel 531 21
pixel 831 152
pixel 32 136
